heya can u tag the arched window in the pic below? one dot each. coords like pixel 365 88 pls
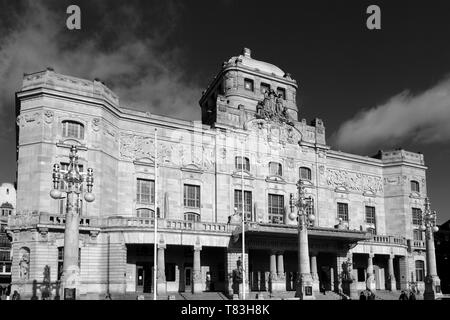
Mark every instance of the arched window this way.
pixel 415 187
pixel 191 216
pixel 305 173
pixel 420 270
pixel 72 129
pixel 275 169
pixel 239 163
pixel 145 213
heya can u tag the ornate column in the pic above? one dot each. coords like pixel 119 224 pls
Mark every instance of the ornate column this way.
pixel 392 281
pixel 280 283
pixel 197 272
pixel 432 281
pixel 370 281
pixel 161 276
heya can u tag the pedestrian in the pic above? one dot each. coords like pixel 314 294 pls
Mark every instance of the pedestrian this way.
pixel 371 295
pixel 403 296
pixel 16 295
pixel 412 296
pixel 362 296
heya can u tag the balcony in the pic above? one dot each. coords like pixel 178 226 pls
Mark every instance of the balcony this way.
pixel 388 240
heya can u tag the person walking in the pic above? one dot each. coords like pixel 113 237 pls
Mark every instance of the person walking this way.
pixel 412 296
pixel 16 295
pixel 403 296
pixel 362 296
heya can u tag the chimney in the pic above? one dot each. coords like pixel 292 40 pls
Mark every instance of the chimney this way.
pixel 247 52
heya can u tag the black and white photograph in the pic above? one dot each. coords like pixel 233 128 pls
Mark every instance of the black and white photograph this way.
pixel 250 153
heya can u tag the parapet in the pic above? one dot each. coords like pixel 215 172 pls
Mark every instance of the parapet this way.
pixel 400 155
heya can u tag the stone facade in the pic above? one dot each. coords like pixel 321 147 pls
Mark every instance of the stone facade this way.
pixel 116 232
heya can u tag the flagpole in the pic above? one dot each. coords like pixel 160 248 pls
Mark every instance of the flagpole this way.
pixel 243 221
pixel 155 248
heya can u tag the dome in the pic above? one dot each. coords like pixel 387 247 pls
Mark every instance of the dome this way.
pixel 262 66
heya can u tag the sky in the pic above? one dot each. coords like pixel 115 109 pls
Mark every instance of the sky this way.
pixel 374 89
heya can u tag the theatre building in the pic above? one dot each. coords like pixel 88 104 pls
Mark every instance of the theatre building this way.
pixel 246 154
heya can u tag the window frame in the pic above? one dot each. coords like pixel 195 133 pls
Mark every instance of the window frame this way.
pixel 416 216
pixel 192 214
pixel 279 169
pixel 343 214
pixel 238 163
pixel 248 203
pixel 282 91
pixel 275 211
pixel 66 130
pixel 370 219
pixel 419 266
pixel 264 85
pixel 187 201
pixel 252 82
pixel 140 193
pixel 415 186
pixel 309 173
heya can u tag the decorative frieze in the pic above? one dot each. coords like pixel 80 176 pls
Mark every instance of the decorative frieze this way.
pixel 354 181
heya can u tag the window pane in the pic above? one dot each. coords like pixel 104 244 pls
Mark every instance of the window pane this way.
pixel 343 211
pixel 415 186
pixel 191 196
pixel 420 270
pixel 238 163
pixel 145 191
pixel 73 129
pixel 247 205
pixel 265 88
pixel 276 208
pixel 275 169
pixel 416 216
pixel 248 84
pixel 282 92
pixel 305 173
pixel 370 214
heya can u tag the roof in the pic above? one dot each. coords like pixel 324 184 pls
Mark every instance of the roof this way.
pixel 247 61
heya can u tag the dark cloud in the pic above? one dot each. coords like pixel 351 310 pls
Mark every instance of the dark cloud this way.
pixel 146 73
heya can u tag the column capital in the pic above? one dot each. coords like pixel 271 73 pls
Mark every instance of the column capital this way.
pixel 391 256
pixel 162 246
pixel 198 247
pixel 371 255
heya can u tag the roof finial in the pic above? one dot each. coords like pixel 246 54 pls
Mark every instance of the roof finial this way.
pixel 247 52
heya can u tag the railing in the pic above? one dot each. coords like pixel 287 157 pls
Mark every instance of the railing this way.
pixel 419 243
pixel 389 240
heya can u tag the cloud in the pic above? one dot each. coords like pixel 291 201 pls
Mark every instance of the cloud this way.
pixel 421 118
pixel 135 62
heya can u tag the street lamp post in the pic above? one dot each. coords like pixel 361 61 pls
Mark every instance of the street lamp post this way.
pixel 432 281
pixel 74 193
pixel 304 278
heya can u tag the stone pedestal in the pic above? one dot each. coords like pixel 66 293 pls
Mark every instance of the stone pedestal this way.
pixel 314 273
pixel 432 281
pixel 161 287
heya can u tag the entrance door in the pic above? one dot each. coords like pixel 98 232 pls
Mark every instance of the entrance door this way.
pixel 143 279
pixel 188 279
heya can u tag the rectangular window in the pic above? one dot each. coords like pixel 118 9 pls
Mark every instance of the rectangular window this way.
pixel 247 205
pixel 361 275
pixel 265 87
pixel 239 163
pixel 191 196
pixel 343 211
pixel 305 173
pixel 415 187
pixel 420 270
pixel 416 216
pixel 417 235
pixel 145 191
pixel 282 92
pixel 248 84
pixel 370 215
pixel 275 169
pixel 276 208
pixel 190 216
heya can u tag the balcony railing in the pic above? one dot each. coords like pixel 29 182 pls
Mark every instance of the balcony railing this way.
pixel 387 239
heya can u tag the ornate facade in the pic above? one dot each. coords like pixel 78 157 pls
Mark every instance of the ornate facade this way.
pixel 365 206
